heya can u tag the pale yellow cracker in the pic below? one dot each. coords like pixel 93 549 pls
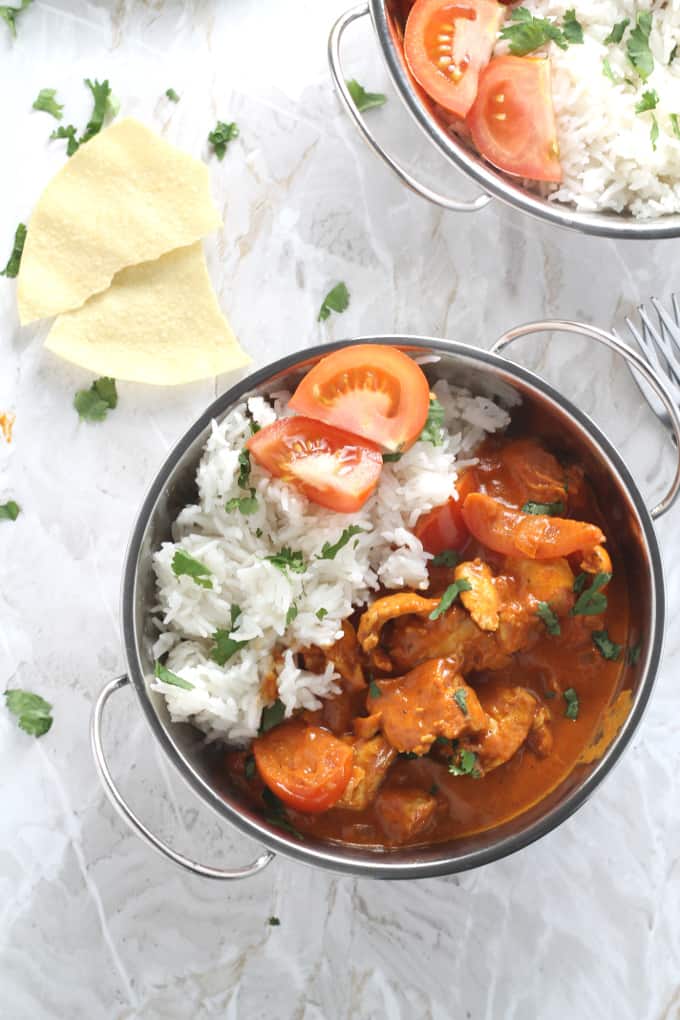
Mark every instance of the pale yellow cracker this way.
pixel 125 197
pixel 158 323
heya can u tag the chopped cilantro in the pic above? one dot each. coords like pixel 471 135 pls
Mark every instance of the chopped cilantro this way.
pixel 608 73
pixel 373 690
pixel 552 624
pixel 616 34
pixel 274 921
pixel 607 648
pixel 592 601
pixel 571 698
pixel 225 646
pixel 292 613
pixel 245 505
pixel 166 676
pixel 465 763
pixel 391 458
pixel 637 47
pixel 364 100
pixel 9 511
pixel 675 125
pixel 573 32
pixel 245 467
pixel 172 95
pixel 448 558
pixel 94 404
pixel 69 132
pixel 259 532
pixel 103 104
pixel 336 300
pixel 320 613
pixel 286 559
pixel 580 582
pixel 527 33
pixel 433 431
pixel 272 715
pixel 221 135
pixel 275 813
pixel 329 552
pixel 551 509
pixel 10 14
pixel 185 565
pixel 449 597
pixel 249 766
pixel 14 261
pixel 654 132
pixel 47 103
pixel 674 53
pixel 649 101
pixel 460 697
pixel 34 714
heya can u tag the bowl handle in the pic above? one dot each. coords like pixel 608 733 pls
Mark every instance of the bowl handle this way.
pixel 128 815
pixel 632 357
pixel 404 176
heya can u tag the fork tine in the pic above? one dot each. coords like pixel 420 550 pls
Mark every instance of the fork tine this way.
pixel 653 335
pixel 673 331
pixel 650 351
pixel 676 309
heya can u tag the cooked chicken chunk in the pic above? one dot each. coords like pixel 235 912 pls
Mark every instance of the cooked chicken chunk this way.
pixel 344 655
pixel 372 759
pixel 389 608
pixel 510 714
pixel 482 601
pixel 404 813
pixel 550 581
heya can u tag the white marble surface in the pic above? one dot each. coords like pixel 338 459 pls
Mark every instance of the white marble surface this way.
pixel 584 924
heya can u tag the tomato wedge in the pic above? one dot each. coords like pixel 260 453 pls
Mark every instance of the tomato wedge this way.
pixel 446 46
pixel 333 468
pixel 536 536
pixel 306 766
pixel 513 122
pixel 443 527
pixel 371 390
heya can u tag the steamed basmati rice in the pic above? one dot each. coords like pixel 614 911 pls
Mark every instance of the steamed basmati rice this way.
pixel 226 702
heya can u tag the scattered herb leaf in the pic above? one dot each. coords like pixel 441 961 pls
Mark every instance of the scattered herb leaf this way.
pixel 546 614
pixel 580 582
pixel 221 135
pixel 607 648
pixel 616 34
pixel 245 505
pixel 633 654
pixel 292 613
pixel 47 103
pixel 274 921
pixel 527 33
pixel 272 715
pixel 286 559
pixel 571 698
pixel 225 646
pixel 449 597
pixel 592 601
pixel 675 125
pixel 10 14
pixel 245 467
pixel 275 813
pixel 9 511
pixel 172 95
pixel 373 690
pixel 103 104
pixel 166 676
pixel 433 431
pixel 33 713
pixel 69 131
pixel 185 565
pixel 637 47
pixel 573 32
pixel 674 53
pixel 448 558
pixel 649 101
pixel 336 300
pixel 320 613
pixel 94 404
pixel 14 261
pixel 608 73
pixel 465 763
pixel 391 458
pixel 550 509
pixel 364 100
pixel 329 552
pixel 654 132
pixel 460 697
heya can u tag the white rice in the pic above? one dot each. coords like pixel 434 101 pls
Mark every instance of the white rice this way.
pixel 226 702
pixel 608 160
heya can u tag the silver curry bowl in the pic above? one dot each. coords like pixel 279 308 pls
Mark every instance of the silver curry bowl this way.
pixel 573 432
pixel 388 17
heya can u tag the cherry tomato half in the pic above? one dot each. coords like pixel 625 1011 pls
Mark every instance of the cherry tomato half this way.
pixel 306 766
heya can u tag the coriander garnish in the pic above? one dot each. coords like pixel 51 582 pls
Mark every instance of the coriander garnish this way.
pixel 320 613
pixel 465 763
pixel 591 601
pixel 373 690
pixel 607 648
pixel 33 713
pixel 546 614
pixel 221 135
pixel 649 101
pixel 272 715
pixel 291 614
pixel 573 32
pixel 571 698
pixel 274 922
pixel 448 558
pixel 172 95
pixel 9 511
pixel 10 14
pixel 616 34
pixel 286 559
pixel 527 33
pixel 336 300
pixel 94 404
pixel 637 47
pixel 364 100
pixel 391 458
pixel 633 654
pixel 275 813
pixel 549 509
pixel 185 565
pixel 14 261
pixel 460 697
pixel 245 505
pixel 166 676
pixel 224 644
pixel 70 133
pixel 329 552
pixel 449 597
pixel 433 430
pixel 47 103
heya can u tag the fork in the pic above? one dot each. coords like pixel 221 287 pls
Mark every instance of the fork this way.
pixel 660 345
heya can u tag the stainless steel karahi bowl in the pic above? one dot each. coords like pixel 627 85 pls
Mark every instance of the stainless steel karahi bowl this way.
pixel 388 17
pixel 484 372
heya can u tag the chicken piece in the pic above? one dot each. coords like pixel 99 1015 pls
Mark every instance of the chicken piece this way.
pixel 367 726
pixel 404 813
pixel 540 738
pixel 453 636
pixel 429 702
pixel 372 759
pixel 510 717
pixel 345 656
pixel 536 474
pixel 389 608
pixel 550 581
pixel 596 561
pixel 482 601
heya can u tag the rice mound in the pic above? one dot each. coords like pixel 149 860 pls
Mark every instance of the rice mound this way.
pixel 226 702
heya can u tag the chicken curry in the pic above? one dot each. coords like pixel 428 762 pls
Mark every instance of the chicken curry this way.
pixel 464 704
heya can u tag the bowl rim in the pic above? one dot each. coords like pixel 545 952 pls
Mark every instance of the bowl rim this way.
pixel 493 182
pixel 331 856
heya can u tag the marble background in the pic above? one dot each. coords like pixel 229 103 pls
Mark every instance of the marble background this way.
pixel 93 925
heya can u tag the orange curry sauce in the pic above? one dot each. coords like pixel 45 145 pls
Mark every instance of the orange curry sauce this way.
pixel 551 665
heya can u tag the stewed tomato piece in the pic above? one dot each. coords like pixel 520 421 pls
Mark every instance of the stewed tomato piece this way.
pixel 443 527
pixel 305 766
pixel 333 468
pixel 375 391
pixel 513 122
pixel 447 44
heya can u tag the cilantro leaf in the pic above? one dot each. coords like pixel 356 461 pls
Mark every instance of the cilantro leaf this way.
pixel 47 103
pixel 675 125
pixel 320 613
pixel 607 648
pixel 552 624
pixel 245 467
pixel 391 458
pixel 14 261
pixel 225 646
pixel 336 300
pixel 68 132
pixel 94 404
pixel 580 582
pixel 275 813
pixel 592 601
pixel 286 559
pixel 527 33
pixel 673 54
pixel 103 104
pixel 166 676
pixel 448 558
pixel 10 14
pixel 433 428
pixel 465 763
pixel 551 509
pixel 373 690
pixel 172 95
pixel 633 654
pixel 608 73
pixel 329 552
pixel 246 505
pixel 274 922
pixel 649 101
pixel 185 565
pixel 616 34
pixel 460 697
pixel 272 715
pixel 221 135
pixel 292 613
pixel 571 698
pixel 637 47
pixel 364 100
pixel 573 32
pixel 449 597
pixel 654 132
pixel 34 714
pixel 9 511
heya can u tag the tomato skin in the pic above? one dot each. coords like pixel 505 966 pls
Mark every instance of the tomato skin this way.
pixel 446 45
pixel 305 766
pixel 331 467
pixel 443 527
pixel 535 536
pixel 372 390
pixel 512 122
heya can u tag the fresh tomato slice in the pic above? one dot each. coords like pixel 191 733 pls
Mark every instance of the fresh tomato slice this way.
pixel 535 536
pixel 443 527
pixel 447 44
pixel 513 122
pixel 333 468
pixel 373 391
pixel 306 766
